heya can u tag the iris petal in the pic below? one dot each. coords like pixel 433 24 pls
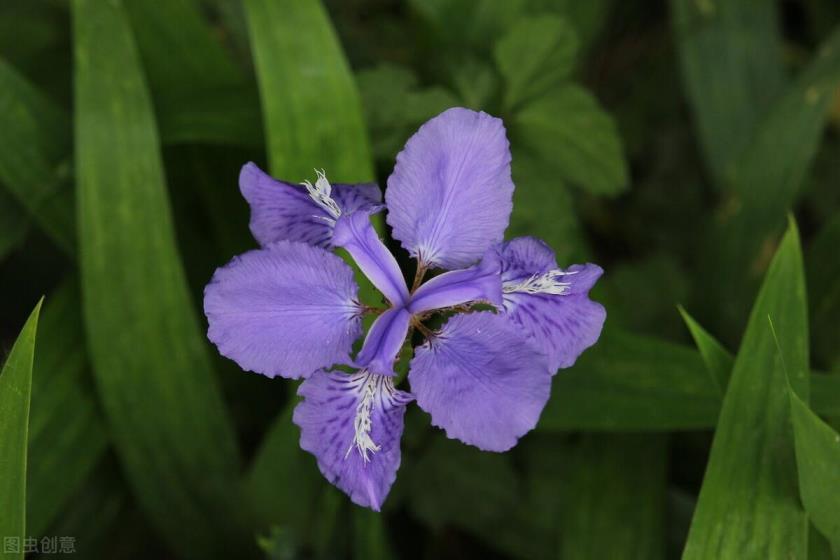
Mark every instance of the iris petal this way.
pixel 286 310
pixel 282 211
pixel 561 325
pixel 477 283
pixel 384 341
pixel 352 424
pixel 450 195
pixel 480 381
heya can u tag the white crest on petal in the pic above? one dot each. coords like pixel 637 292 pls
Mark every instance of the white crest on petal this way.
pixel 372 387
pixel 546 283
pixel 321 193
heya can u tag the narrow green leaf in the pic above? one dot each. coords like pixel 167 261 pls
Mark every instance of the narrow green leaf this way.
pixel 718 360
pixel 34 147
pixel 166 415
pixel 15 387
pixel 818 463
pixel 370 540
pixel 731 61
pixel 13 224
pixel 764 182
pixel 534 56
pixel 312 111
pixel 568 128
pixel 67 436
pixel 199 94
pixel 748 505
pixel 615 507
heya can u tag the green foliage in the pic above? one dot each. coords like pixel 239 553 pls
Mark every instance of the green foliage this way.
pixel 15 390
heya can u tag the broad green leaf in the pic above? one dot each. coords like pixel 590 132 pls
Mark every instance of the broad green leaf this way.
pixel 731 61
pixel 312 112
pixel 534 56
pixel 718 360
pixel 67 435
pixel 823 268
pixel 764 181
pixel 748 505
pixel 476 82
pixel 818 463
pixel 199 94
pixel 165 412
pixel 15 387
pixel 568 129
pixel 630 383
pixel 615 507
pixel 395 106
pixel 13 224
pixel 34 147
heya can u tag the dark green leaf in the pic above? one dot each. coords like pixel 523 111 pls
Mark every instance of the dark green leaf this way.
pixel 824 290
pixel 160 396
pixel 66 433
pixel 15 388
pixel 468 24
pixel 13 224
pixel 370 540
pixel 568 129
pixel 748 505
pixel 731 57
pixel 534 56
pixel 718 360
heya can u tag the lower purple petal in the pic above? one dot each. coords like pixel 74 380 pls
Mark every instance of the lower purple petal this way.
pixel 352 424
pixel 561 325
pixel 286 310
pixel 384 341
pixel 480 381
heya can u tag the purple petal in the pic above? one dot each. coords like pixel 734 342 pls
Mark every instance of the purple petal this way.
pixel 353 424
pixel 286 310
pixel 384 341
pixel 561 325
pixel 283 211
pixel 480 381
pixel 355 233
pixel 481 282
pixel 449 198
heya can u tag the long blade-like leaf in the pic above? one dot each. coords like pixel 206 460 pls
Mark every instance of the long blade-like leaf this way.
pixel 169 423
pixel 15 388
pixel 748 505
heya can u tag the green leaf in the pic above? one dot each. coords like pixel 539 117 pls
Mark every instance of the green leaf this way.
pixel 395 106
pixel 370 539
pixel 34 147
pixel 15 387
pixel 818 463
pixel 13 224
pixel 312 112
pixel 615 507
pixel 764 181
pixel 166 414
pixel 731 61
pixel 568 129
pixel 468 24
pixel 748 505
pixel 534 56
pixel 718 360
pixel 67 436
pixel 823 268
pixel 199 94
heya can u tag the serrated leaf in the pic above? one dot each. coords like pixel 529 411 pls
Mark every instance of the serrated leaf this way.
pixel 15 388
pixel 468 24
pixel 165 412
pixel 535 55
pixel 568 129
pixel 748 505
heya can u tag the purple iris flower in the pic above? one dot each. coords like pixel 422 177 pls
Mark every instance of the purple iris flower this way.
pixel 291 308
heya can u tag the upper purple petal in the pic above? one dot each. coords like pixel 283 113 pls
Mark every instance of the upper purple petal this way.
pixel 450 195
pixel 481 282
pixel 353 424
pixel 282 211
pixel 480 381
pixel 355 233
pixel 384 341
pixel 561 325
pixel 286 310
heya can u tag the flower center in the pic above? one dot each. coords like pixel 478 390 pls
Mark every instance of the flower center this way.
pixel 546 283
pixel 321 193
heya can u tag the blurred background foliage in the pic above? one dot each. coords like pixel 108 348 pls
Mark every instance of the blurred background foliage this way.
pixel 670 142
